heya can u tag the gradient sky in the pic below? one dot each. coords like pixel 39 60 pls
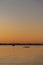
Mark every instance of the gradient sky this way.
pixel 21 21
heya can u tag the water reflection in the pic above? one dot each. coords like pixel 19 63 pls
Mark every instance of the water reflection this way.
pixel 17 55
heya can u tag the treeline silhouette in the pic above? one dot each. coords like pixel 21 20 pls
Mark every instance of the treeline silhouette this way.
pixel 13 44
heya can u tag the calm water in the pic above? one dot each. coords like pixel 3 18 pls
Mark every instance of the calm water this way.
pixel 18 55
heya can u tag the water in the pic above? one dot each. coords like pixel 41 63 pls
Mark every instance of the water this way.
pixel 18 55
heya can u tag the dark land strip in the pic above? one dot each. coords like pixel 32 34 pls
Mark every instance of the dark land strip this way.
pixel 14 44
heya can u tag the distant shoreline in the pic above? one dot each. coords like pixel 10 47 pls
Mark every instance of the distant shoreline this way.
pixel 14 44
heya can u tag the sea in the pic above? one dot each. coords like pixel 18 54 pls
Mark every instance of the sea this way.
pixel 21 55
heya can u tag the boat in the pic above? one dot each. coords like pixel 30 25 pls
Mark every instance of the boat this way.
pixel 26 46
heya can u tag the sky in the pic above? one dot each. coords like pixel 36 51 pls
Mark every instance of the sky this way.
pixel 21 21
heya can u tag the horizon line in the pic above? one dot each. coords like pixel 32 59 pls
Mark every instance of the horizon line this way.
pixel 14 44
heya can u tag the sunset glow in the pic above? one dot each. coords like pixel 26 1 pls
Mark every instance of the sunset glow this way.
pixel 21 21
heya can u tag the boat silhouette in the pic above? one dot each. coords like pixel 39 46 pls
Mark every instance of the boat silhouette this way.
pixel 26 46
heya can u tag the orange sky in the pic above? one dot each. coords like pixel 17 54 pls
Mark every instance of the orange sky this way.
pixel 21 21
